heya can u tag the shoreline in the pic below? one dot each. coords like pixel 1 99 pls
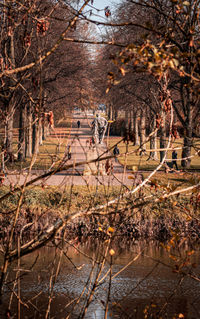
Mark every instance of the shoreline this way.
pixel 133 227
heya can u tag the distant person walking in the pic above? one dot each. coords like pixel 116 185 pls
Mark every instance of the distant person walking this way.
pixel 69 152
pixel 174 159
pixel 78 124
pixel 92 141
pixel 116 152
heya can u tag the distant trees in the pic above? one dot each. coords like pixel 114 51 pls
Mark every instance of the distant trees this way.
pixel 129 91
pixel 45 72
pixel 162 43
pixel 45 64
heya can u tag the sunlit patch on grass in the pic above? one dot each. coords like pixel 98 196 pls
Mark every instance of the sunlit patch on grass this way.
pixel 133 158
pixel 51 151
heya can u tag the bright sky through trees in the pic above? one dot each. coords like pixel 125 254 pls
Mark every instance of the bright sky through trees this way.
pixel 101 5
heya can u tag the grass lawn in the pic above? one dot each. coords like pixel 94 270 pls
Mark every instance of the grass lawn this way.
pixel 52 150
pixel 136 161
pixel 62 198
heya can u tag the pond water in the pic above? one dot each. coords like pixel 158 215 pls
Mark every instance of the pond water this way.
pixel 149 287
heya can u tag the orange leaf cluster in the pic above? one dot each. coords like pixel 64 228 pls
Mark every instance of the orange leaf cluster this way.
pixel 27 40
pixel 107 12
pixel 42 27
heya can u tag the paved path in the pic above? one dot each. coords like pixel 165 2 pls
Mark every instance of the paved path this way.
pixel 80 149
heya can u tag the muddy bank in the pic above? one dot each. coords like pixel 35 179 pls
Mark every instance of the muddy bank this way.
pixel 136 226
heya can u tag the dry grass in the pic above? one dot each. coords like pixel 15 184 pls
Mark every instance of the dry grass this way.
pixel 62 198
pixel 52 150
pixel 141 162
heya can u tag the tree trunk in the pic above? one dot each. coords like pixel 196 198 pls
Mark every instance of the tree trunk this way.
pixel 9 130
pixel 21 141
pixel 153 141
pixel 46 128
pixel 44 118
pixel 29 133
pixel 186 118
pixel 136 128
pixel 162 135
pixel 43 129
pixel 110 112
pixel 142 131
pixel 40 128
pixel 131 121
pixel 10 106
pixel 126 119
pixel 115 114
pixel 35 136
pixel 186 151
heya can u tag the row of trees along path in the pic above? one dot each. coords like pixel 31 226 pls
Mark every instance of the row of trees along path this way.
pixel 81 151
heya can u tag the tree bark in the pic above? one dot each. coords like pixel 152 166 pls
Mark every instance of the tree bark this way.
pixel 142 130
pixel 10 56
pixel 186 121
pixel 126 119
pixel 115 114
pixel 110 112
pixel 131 121
pixel 153 141
pixel 186 151
pixel 21 142
pixel 162 135
pixel 40 129
pixel 29 133
pixel 46 128
pixel 136 128
pixel 35 136
pixel 9 130
pixel 43 128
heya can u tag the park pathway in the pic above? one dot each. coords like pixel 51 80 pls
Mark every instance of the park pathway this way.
pixel 79 141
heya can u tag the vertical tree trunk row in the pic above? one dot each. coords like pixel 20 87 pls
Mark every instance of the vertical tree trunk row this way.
pixel 142 130
pixel 21 143
pixel 8 138
pixel 162 135
pixel 153 140
pixel 29 132
pixel 186 151
pixel 136 128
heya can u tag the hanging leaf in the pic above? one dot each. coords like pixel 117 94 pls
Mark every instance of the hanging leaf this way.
pixel 122 71
pixel 111 229
pixel 191 44
pixel 112 252
pixel 27 40
pixel 107 90
pixel 107 12
pixel 42 26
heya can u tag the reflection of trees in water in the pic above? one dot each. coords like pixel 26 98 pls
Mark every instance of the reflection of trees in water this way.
pixel 138 277
pixel 114 263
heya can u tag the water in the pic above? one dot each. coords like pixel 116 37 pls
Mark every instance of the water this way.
pixel 149 286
